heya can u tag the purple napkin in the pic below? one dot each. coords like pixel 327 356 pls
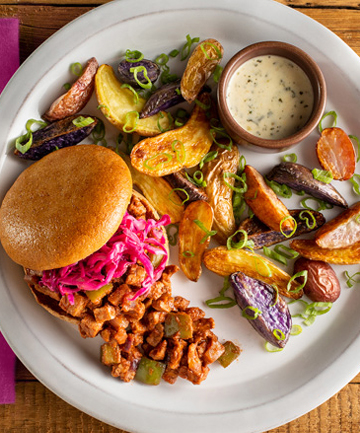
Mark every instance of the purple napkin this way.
pixel 9 61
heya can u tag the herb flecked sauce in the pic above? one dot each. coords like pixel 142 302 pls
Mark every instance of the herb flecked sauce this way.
pixel 270 97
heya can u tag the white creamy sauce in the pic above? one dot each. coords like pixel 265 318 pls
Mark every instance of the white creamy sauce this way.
pixel 270 97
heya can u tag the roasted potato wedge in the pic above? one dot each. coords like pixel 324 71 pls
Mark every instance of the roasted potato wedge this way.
pixel 118 105
pixel 342 231
pixel 192 238
pixel 171 151
pixel 201 64
pixel 219 193
pixel 225 262
pixel 159 193
pixel 336 153
pixel 262 236
pixel 265 204
pixel 337 256
pixel 75 99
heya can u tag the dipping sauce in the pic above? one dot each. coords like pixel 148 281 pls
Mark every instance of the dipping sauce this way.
pixel 270 97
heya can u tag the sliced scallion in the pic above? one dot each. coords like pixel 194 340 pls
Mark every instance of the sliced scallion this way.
pixel 208 234
pixel 322 175
pixel 329 113
pixel 255 312
pixel 81 121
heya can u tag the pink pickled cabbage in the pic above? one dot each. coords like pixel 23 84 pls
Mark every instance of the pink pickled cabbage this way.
pixel 130 244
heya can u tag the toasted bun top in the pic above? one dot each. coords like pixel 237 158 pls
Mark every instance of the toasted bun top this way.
pixel 64 207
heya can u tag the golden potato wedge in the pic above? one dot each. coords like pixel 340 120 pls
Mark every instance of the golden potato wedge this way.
pixel 75 99
pixel 342 231
pixel 336 256
pixel 224 262
pixel 219 193
pixel 265 204
pixel 171 151
pixel 192 238
pixel 118 105
pixel 158 192
pixel 201 64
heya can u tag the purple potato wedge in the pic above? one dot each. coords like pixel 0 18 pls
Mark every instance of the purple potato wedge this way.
pixel 180 182
pixel 163 98
pixel 273 320
pixel 300 178
pixel 56 135
pixel 126 76
pixel 262 236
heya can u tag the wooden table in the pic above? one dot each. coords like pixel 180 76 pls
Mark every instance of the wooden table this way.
pixel 39 410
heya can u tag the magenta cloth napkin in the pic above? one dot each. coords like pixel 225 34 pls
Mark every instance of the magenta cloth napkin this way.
pixel 9 62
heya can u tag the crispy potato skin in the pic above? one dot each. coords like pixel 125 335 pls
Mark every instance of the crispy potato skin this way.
pixel 342 231
pixel 171 151
pixel 220 195
pixel 337 256
pixel 199 68
pixel 264 202
pixel 225 262
pixel 190 237
pixel 116 102
pixel 75 99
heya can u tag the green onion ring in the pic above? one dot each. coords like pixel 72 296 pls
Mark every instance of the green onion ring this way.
pixel 133 56
pixel 134 92
pixel 168 157
pixel 23 148
pixel 256 312
pixel 294 229
pixel 128 120
pixel 322 175
pixel 303 217
pixel 278 334
pixel 137 70
pixel 76 69
pixel 330 113
pixel 290 157
pixel 182 190
pixel 208 234
pixel 218 52
pixel 297 275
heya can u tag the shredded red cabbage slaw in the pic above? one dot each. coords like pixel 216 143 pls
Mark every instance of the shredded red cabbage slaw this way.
pixel 132 242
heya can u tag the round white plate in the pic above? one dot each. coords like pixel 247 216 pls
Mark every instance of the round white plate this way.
pixel 260 390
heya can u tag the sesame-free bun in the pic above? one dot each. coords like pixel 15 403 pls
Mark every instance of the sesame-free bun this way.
pixel 64 207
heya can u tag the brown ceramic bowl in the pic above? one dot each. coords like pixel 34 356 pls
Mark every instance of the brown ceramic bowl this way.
pixel 305 62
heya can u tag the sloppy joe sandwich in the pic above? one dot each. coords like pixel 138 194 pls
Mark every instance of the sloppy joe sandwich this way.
pixel 95 254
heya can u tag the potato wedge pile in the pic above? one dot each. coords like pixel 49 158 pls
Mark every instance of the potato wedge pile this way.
pixel 189 168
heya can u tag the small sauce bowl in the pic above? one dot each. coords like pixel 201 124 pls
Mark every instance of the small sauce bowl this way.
pixel 304 62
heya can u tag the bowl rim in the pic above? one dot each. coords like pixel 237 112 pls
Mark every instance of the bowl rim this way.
pixel 298 56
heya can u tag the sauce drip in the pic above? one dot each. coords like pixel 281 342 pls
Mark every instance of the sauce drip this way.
pixel 270 97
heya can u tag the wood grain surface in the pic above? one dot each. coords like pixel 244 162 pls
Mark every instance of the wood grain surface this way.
pixel 38 410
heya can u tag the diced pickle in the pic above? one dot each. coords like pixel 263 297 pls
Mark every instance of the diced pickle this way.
pixel 110 353
pixel 232 351
pixel 178 322
pixel 149 371
pixel 96 295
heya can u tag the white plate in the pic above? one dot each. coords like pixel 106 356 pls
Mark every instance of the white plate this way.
pixel 260 391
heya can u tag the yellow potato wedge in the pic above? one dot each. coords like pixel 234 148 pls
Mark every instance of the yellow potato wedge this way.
pixel 192 239
pixel 336 256
pixel 224 262
pixel 158 192
pixel 201 64
pixel 118 105
pixel 171 151
pixel 342 231
pixel 219 193
pixel 265 204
